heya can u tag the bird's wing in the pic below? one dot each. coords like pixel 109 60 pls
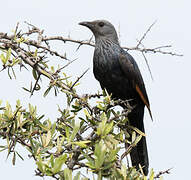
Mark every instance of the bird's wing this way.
pixel 131 70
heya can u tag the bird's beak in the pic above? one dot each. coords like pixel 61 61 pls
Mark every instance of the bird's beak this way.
pixel 87 24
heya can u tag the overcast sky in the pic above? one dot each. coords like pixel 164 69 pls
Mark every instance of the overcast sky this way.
pixel 168 137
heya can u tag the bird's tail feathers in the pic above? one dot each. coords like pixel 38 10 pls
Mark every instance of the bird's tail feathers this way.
pixel 139 154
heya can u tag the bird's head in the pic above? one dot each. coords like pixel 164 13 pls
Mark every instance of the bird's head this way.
pixel 102 29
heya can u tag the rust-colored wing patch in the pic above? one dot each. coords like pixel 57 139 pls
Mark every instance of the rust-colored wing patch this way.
pixel 144 100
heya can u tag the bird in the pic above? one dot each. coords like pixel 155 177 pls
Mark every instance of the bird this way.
pixel 118 73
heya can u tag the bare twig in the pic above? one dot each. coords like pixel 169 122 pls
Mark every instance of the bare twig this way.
pixel 89 96
pixel 144 35
pixel 17 26
pixel 153 50
pixel 148 65
pixel 162 172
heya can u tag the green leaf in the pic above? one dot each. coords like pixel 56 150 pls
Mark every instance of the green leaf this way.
pixel 8 55
pixel 100 107
pixel 77 176
pixel 14 158
pixel 35 74
pixel 108 128
pixel 104 128
pixel 67 174
pixel 53 129
pixel 87 113
pixel 100 151
pixel 35 53
pixel 48 138
pixel 46 74
pixel 113 155
pixel 52 69
pixel 20 156
pixel 102 125
pixel 133 136
pixel 13 72
pixel 15 61
pixel 3 148
pixel 67 131
pixel 82 144
pixel 47 91
pixel 58 163
pixel 152 175
pixel 26 89
pixel 137 130
pixel 138 138
pixel 20 40
pixel 32 144
pixel 74 132
pixel 99 176
pixel 40 165
pixel 90 162
pixel 51 160
pixel 59 144
pixel 3 59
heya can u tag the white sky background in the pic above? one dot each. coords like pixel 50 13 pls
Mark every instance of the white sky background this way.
pixel 168 136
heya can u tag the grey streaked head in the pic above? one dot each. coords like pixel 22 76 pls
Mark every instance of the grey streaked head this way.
pixel 102 29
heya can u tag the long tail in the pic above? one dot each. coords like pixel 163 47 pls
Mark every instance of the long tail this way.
pixel 139 154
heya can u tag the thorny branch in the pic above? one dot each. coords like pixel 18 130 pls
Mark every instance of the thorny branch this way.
pixel 91 43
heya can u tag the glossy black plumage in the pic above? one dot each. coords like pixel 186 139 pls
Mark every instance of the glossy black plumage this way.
pixel 117 71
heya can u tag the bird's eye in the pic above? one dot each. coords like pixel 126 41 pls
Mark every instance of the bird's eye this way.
pixel 101 24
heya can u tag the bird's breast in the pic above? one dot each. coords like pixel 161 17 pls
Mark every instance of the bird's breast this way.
pixel 108 72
